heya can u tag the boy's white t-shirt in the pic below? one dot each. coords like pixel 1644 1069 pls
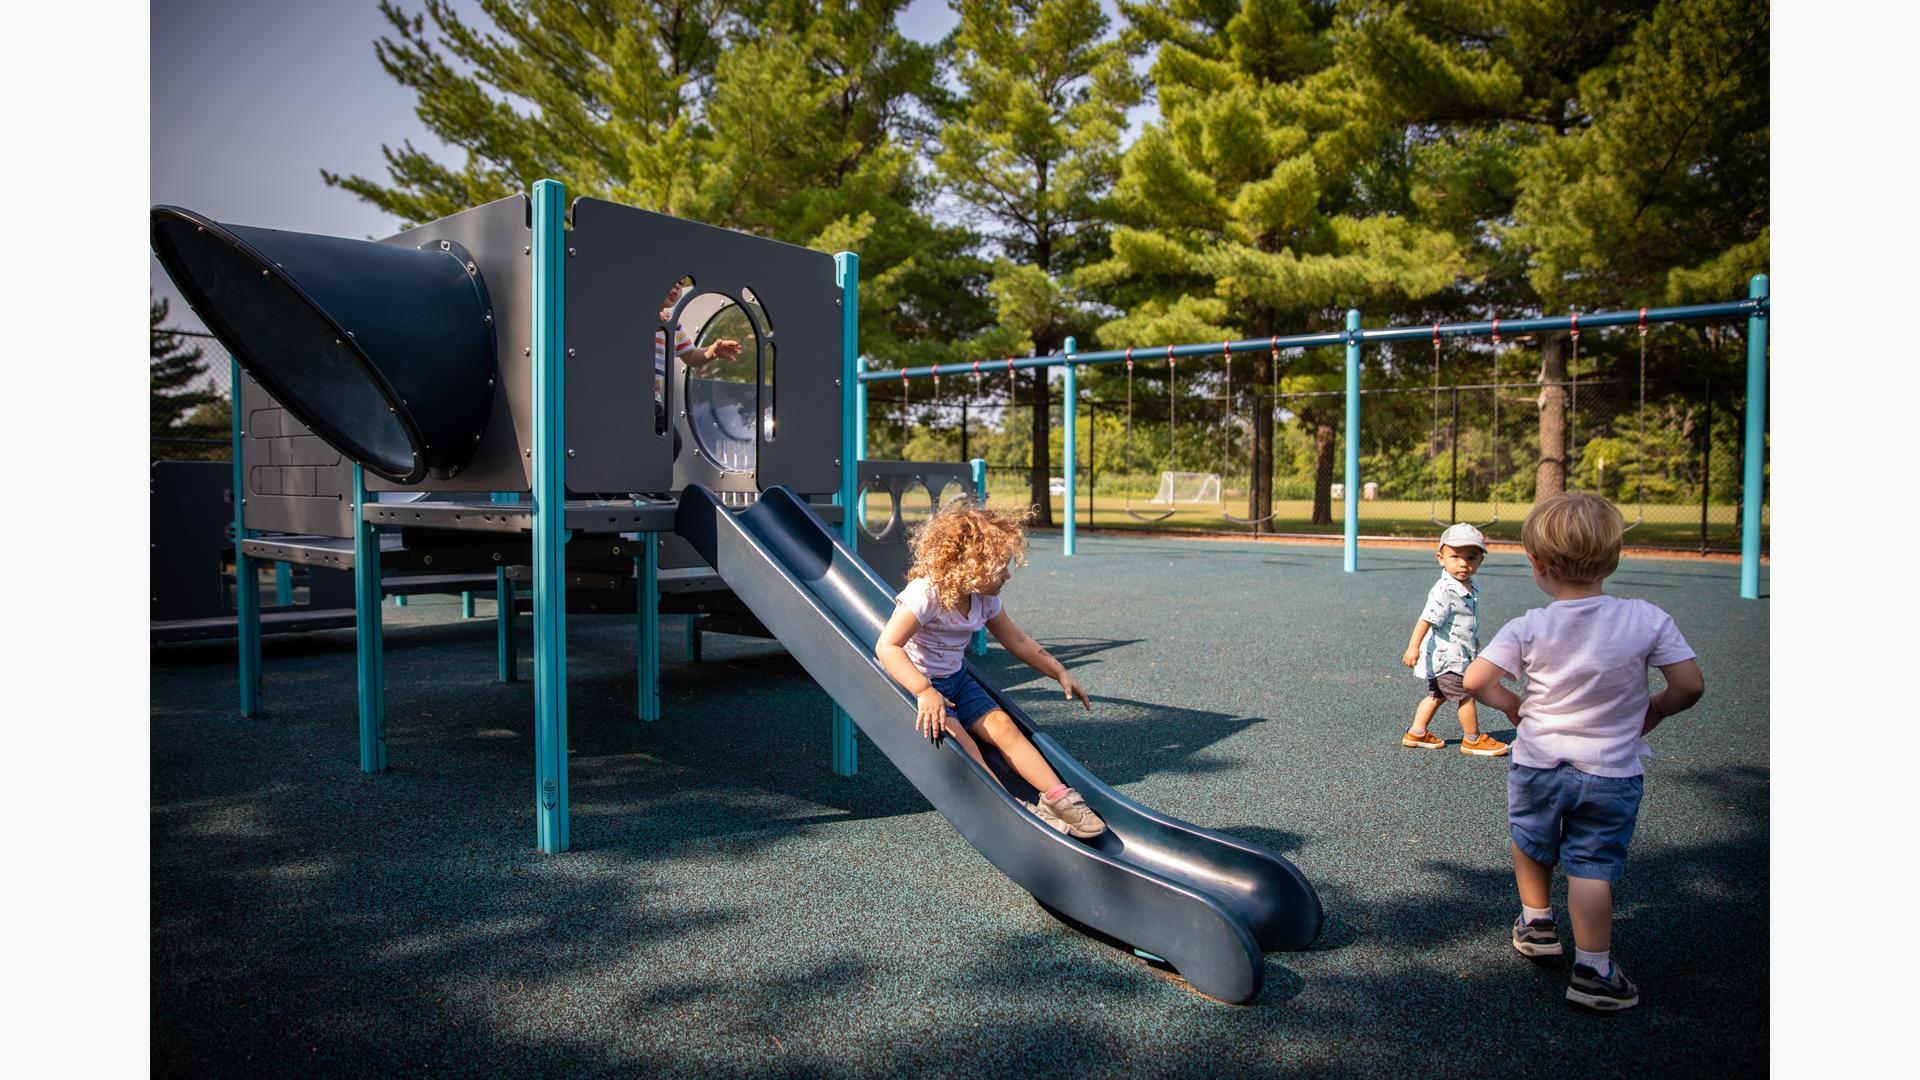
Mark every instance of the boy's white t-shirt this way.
pixel 936 649
pixel 1585 662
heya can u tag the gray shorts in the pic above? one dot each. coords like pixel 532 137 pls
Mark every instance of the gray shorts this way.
pixel 1447 686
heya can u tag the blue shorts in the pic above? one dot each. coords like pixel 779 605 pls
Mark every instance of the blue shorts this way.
pixel 970 700
pixel 1582 821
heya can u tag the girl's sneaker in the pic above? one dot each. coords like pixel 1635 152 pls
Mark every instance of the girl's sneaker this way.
pixel 1536 938
pixel 1611 994
pixel 1071 811
pixel 1425 740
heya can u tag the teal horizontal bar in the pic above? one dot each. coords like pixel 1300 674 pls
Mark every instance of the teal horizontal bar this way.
pixel 1738 309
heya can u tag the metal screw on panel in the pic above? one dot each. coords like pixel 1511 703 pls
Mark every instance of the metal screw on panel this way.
pixel 446 245
pixel 471 268
pixel 836 461
pixel 569 453
pixel 266 273
pixel 426 560
pixel 571 253
pixel 528 452
pixel 526 249
pixel 496 556
pixel 572 353
pixel 526 350
pixel 489 319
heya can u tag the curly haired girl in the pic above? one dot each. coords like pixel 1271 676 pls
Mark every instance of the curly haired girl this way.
pixel 962 557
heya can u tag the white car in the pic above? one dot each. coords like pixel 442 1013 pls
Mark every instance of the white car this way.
pixel 1057 486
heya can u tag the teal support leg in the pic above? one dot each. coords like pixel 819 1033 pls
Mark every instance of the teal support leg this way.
pixel 369 649
pixel 1353 441
pixel 1070 398
pixel 246 581
pixel 978 646
pixel 466 605
pixel 399 601
pixel 282 584
pixel 646 588
pixel 1754 481
pixel 505 610
pixel 549 518
pixel 846 267
pixel 693 639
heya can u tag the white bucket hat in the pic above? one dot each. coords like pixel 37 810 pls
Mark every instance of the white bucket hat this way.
pixel 1463 535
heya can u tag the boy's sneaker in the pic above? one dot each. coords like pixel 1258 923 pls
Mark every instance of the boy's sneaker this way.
pixel 1536 938
pixel 1610 994
pixel 1072 812
pixel 1483 745
pixel 1425 740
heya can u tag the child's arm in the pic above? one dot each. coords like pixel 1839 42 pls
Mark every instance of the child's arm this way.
pixel 1021 644
pixel 725 349
pixel 1413 647
pixel 891 651
pixel 1685 684
pixel 1482 680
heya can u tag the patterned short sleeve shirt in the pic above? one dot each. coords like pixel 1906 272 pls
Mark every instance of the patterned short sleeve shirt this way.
pixel 1453 610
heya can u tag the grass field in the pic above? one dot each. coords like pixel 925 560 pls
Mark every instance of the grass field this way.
pixel 1661 526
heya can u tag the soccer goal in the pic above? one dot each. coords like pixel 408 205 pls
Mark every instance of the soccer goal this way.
pixel 1187 489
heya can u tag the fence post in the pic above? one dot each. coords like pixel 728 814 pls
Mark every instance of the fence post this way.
pixel 1353 441
pixel 1706 466
pixel 246 578
pixel 1453 438
pixel 1068 470
pixel 1754 483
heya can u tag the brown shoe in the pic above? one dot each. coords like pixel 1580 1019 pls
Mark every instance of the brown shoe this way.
pixel 1483 745
pixel 1426 740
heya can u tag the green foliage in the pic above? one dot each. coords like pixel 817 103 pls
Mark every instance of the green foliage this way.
pixel 176 372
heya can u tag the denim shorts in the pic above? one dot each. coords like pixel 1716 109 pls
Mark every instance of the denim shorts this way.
pixel 970 699
pixel 1582 821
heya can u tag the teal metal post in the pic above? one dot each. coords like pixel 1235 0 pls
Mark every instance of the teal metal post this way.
pixel 368 647
pixel 400 600
pixel 504 609
pixel 1070 398
pixel 646 594
pixel 282 584
pixel 1753 484
pixel 853 431
pixel 859 410
pixel 466 604
pixel 246 581
pixel 979 645
pixel 549 516
pixel 1353 440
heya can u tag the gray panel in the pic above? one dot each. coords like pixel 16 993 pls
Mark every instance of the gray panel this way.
pixel 314 498
pixel 496 236
pixel 884 545
pixel 623 261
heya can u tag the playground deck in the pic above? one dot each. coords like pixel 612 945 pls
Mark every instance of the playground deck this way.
pixel 731 907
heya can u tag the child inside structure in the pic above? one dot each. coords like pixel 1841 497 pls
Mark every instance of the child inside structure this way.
pixel 1575 782
pixel 962 558
pixel 1445 639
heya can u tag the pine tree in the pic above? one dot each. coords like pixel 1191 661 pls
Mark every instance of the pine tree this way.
pixel 778 117
pixel 173 369
pixel 1262 202
pixel 1031 150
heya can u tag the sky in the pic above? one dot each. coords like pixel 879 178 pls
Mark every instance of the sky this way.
pixel 250 100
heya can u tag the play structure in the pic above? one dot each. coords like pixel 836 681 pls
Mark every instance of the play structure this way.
pixel 500 364
pixel 1353 338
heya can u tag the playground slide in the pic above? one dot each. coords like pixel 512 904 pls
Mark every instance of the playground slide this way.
pixel 1206 903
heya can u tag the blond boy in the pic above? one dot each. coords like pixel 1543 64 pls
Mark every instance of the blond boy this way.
pixel 1573 791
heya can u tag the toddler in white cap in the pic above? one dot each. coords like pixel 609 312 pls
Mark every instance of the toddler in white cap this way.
pixel 1445 640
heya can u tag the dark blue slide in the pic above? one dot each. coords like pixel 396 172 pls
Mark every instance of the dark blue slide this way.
pixel 1206 903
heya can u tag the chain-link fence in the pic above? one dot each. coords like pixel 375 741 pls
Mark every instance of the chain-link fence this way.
pixel 1667 452
pixel 190 383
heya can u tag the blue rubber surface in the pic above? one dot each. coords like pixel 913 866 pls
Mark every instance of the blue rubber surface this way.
pixel 732 908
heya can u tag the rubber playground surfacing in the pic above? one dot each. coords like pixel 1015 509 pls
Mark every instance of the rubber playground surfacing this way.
pixel 731 907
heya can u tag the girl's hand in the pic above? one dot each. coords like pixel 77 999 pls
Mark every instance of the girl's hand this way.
pixel 931 719
pixel 1072 687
